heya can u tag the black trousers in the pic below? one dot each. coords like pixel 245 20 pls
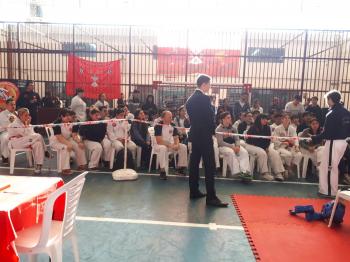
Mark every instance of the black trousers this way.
pixel 205 150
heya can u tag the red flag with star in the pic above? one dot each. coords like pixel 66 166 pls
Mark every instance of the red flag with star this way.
pixel 93 77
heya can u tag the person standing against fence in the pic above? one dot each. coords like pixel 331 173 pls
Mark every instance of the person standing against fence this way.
pixel 242 105
pixel 31 100
pixel 201 135
pixel 335 131
pixel 78 105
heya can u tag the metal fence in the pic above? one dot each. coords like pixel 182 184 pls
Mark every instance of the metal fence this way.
pixel 276 62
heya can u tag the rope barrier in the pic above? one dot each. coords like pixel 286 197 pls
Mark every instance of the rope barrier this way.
pixel 245 136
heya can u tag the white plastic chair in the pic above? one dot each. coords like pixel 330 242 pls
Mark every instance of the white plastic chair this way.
pixel 224 165
pixel 14 151
pixel 304 167
pixel 340 195
pixel 48 236
pixel 224 162
pixel 138 156
pixel 153 152
pixel 50 134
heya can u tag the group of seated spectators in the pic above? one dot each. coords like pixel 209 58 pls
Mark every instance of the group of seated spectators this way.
pixel 148 128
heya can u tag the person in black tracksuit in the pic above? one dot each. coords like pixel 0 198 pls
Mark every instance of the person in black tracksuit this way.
pixel 201 135
pixel 335 131
pixel 140 136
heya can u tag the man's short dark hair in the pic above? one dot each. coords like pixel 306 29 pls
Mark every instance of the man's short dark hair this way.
pixel 314 97
pixel 138 112
pixel 180 108
pixel 255 112
pixel 9 100
pixel 119 111
pixel 102 107
pixel 298 97
pixel 277 115
pixel 305 114
pixel 224 114
pixel 79 90
pixel 29 82
pixel 94 111
pixel 65 112
pixel 203 79
pixel 294 117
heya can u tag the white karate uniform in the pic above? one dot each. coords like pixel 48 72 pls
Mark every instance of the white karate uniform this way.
pixel 338 150
pixel 289 155
pixel 236 162
pixel 162 150
pixel 99 103
pixel 315 156
pixel 4 138
pixel 95 151
pixel 116 130
pixel 79 107
pixel 216 152
pixel 263 158
pixel 66 132
pixel 21 137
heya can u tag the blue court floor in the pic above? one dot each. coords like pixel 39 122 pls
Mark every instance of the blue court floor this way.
pixel 154 220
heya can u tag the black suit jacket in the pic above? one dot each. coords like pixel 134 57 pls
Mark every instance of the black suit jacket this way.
pixel 201 116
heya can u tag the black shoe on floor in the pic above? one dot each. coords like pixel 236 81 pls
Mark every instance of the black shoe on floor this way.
pixel 216 202
pixel 5 160
pixel 197 195
pixel 163 175
pixel 105 164
pixel 47 154
pixel 181 171
pixel 325 196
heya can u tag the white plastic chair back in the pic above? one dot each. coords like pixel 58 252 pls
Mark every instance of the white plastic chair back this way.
pixel 153 138
pixel 72 191
pixel 49 132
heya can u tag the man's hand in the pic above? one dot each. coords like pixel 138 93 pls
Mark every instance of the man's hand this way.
pixel 236 149
pixel 311 149
pixel 176 147
pixel 122 140
pixel 81 145
pixel 69 147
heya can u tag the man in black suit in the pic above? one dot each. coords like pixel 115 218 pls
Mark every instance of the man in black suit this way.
pixel 201 135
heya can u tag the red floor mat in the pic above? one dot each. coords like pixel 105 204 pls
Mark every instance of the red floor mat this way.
pixel 276 236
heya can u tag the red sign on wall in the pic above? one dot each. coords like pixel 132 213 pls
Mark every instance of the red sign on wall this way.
pixel 214 62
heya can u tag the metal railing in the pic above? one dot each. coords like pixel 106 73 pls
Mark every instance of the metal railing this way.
pixel 276 62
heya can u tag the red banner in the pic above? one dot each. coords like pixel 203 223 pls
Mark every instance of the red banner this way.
pixel 93 77
pixel 214 62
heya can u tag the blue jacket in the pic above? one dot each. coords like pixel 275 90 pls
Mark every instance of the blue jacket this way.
pixel 336 126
